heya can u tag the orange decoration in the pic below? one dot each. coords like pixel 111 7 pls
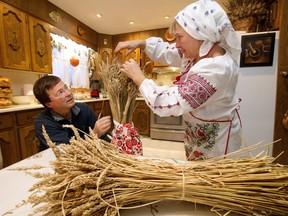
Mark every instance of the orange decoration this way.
pixel 74 62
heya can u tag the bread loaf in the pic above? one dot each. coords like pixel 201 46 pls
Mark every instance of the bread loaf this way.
pixel 5 92
pixel 5 82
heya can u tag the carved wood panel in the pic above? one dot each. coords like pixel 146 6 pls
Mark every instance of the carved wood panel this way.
pixel 41 51
pixel 14 41
pixel 105 55
pixel 141 118
pixel 28 141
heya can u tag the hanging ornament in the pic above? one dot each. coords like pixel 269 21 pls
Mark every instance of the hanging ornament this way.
pixel 74 62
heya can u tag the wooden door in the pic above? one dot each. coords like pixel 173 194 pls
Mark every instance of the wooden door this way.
pixel 29 143
pixel 105 55
pixel 14 43
pixel 9 148
pixel 141 118
pixel 41 51
pixel 282 87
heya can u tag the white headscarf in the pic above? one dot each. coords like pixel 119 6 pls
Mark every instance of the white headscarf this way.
pixel 206 20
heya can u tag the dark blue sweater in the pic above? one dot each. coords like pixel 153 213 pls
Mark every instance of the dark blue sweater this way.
pixel 83 117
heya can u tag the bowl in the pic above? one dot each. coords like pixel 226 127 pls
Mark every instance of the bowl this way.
pixel 26 99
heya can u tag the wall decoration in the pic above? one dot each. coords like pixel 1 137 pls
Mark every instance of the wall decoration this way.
pixel 257 50
pixel 80 30
pixel 55 16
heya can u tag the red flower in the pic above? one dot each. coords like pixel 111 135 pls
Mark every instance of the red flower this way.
pixel 197 154
pixel 129 143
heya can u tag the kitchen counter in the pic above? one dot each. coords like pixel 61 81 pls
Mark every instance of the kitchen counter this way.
pixel 14 186
pixel 13 108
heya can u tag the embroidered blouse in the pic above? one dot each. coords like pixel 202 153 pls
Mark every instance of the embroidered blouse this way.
pixel 204 94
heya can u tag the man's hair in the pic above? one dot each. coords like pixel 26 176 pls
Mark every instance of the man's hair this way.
pixel 42 85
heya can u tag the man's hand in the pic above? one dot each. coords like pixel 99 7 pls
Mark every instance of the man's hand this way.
pixel 102 126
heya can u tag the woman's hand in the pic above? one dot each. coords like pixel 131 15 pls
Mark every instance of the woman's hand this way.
pixel 133 71
pixel 130 45
pixel 102 126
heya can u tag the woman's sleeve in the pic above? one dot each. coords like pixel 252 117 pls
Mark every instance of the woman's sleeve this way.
pixel 163 100
pixel 163 52
pixel 203 85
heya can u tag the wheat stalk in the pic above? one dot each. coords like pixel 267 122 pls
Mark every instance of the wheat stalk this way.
pixel 121 90
pixel 92 178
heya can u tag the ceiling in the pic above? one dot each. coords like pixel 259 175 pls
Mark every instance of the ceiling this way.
pixel 116 14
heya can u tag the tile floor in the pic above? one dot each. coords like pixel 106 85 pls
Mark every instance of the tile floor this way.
pixel 163 149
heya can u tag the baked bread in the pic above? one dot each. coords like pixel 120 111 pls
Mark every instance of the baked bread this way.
pixel 5 82
pixel 4 102
pixel 5 93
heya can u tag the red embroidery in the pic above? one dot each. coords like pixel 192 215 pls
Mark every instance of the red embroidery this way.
pixel 196 90
pixel 127 139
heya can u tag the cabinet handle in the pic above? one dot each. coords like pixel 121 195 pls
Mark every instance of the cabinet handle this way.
pixel 284 73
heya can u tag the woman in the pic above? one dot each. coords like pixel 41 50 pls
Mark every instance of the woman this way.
pixel 207 50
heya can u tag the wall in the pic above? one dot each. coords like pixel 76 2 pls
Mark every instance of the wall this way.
pixel 257 89
pixel 19 79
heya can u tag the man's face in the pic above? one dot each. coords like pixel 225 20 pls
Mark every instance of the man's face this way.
pixel 61 99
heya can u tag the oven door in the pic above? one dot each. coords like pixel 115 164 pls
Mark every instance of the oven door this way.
pixel 171 122
pixel 167 128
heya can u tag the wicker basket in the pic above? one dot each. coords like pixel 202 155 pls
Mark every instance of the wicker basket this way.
pixel 248 24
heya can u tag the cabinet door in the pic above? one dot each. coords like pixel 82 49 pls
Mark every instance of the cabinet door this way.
pixel 41 51
pixel 105 56
pixel 14 41
pixel 103 107
pixel 9 148
pixel 99 108
pixel 141 118
pixel 28 141
pixel 121 56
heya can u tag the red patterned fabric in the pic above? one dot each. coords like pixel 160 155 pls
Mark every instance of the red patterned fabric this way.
pixel 127 139
pixel 196 90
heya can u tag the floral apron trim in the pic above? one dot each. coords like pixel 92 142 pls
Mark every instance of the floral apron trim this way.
pixel 202 136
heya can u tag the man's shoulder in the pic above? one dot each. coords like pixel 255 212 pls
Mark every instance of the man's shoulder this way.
pixel 44 115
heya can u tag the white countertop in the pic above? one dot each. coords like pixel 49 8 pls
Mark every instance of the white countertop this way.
pixel 15 185
pixel 14 107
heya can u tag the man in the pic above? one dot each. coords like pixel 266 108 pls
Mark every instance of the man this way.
pixel 61 109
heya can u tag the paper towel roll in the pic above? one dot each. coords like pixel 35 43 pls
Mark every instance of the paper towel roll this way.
pixel 28 89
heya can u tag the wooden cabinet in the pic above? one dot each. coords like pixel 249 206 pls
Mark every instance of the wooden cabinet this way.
pixel 121 55
pixel 15 50
pixel 141 118
pixel 29 143
pixel 17 36
pixel 26 132
pixel 17 133
pixel 105 55
pixel 8 140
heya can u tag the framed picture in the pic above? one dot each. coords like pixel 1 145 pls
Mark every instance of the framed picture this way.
pixel 257 50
